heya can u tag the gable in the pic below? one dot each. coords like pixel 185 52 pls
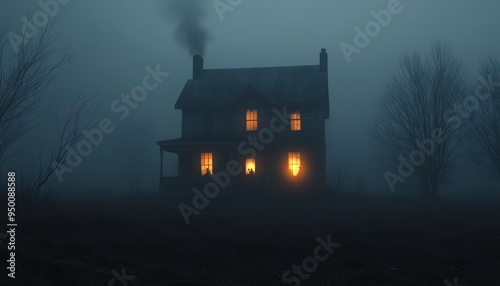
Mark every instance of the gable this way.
pixel 250 97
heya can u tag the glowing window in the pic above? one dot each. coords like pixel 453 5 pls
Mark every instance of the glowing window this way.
pixel 251 120
pixel 207 166
pixel 294 163
pixel 295 121
pixel 250 166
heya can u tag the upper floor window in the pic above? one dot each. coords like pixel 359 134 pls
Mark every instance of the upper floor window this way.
pixel 295 121
pixel 207 166
pixel 251 120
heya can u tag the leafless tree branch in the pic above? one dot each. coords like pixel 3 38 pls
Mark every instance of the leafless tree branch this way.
pixel 418 101
pixel 24 78
pixel 485 125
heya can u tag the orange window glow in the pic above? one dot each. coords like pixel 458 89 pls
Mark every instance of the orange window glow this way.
pixel 207 166
pixel 250 166
pixel 294 163
pixel 251 119
pixel 295 121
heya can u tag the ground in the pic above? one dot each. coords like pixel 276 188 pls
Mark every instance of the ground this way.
pixel 253 240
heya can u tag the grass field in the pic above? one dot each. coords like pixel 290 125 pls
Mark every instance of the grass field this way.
pixel 253 240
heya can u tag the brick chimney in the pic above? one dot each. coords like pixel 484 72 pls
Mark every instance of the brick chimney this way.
pixel 197 67
pixel 323 61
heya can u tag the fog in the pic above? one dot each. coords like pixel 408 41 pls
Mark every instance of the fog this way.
pixel 114 42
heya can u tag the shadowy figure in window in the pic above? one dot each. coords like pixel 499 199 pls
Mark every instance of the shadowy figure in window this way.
pixel 294 177
pixel 251 172
pixel 207 172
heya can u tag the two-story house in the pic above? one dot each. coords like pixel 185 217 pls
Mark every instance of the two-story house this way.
pixel 266 123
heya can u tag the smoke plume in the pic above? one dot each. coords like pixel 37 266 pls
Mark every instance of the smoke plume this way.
pixel 189 32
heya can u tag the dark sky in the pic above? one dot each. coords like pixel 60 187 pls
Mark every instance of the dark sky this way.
pixel 114 41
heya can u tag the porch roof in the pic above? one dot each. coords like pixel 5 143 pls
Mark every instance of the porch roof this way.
pixel 193 142
pixel 225 141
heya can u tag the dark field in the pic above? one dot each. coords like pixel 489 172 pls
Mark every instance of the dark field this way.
pixel 250 240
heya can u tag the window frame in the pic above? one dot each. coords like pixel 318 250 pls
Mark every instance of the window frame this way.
pixel 206 162
pixel 294 163
pixel 251 117
pixel 295 122
pixel 247 172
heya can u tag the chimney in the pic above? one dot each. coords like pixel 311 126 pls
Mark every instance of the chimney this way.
pixel 197 67
pixel 323 61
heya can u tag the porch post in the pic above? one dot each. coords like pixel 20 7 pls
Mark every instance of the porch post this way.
pixel 161 168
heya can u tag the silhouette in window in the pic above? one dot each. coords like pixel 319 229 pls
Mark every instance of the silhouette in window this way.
pixel 207 172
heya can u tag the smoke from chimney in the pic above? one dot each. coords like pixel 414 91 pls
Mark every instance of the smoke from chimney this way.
pixel 189 32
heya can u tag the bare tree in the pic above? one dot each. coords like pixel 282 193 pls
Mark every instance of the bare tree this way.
pixel 415 114
pixel 485 125
pixel 79 118
pixel 24 78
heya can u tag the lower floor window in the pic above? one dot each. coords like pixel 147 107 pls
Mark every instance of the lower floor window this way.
pixel 207 166
pixel 294 163
pixel 250 166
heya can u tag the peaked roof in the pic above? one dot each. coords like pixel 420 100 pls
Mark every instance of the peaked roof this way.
pixel 297 85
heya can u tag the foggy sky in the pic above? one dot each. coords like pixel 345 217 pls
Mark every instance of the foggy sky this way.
pixel 188 17
pixel 114 41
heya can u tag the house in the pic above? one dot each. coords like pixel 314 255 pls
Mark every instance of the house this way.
pixel 266 123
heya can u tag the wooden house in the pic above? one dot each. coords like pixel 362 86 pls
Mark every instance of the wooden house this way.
pixel 267 125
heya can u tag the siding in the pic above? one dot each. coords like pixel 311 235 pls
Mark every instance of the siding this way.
pixel 231 120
